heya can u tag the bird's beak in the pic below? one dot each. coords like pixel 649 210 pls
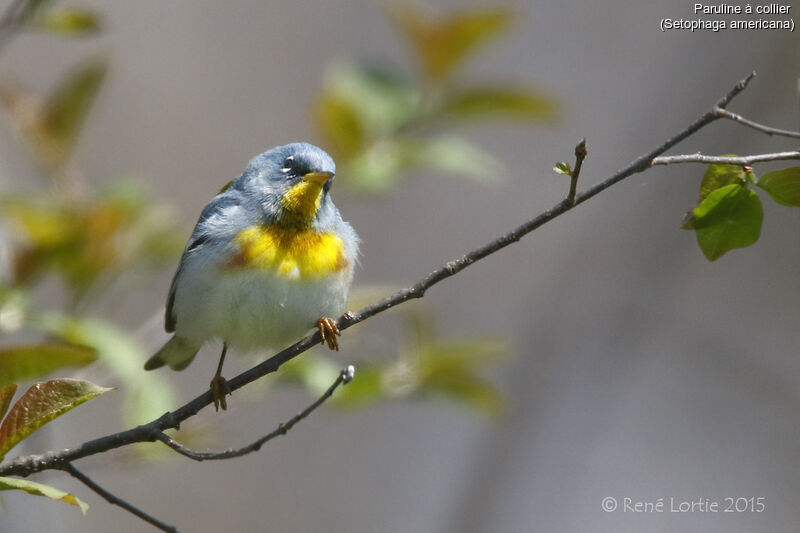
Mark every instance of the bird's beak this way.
pixel 318 177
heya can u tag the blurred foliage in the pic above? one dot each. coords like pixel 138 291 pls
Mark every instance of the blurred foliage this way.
pixel 729 214
pixel 84 238
pixel 423 367
pixel 147 395
pixel 51 126
pixel 379 125
pixel 30 361
pixel 87 240
pixel 70 22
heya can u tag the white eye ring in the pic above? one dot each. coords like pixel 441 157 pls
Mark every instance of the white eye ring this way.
pixel 286 170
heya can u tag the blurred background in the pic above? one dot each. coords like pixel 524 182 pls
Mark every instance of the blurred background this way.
pixel 602 356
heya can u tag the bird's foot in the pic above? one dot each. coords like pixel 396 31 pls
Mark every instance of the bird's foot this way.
pixel 219 389
pixel 328 331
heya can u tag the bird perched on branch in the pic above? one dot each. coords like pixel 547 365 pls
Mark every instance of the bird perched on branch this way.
pixel 268 260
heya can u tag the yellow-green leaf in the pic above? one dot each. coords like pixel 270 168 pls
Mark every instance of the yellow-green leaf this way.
pixel 70 22
pixel 562 168
pixel 376 168
pixel 340 124
pixel 37 489
pixel 442 43
pixel 314 371
pixel 6 395
pixel 782 185
pixel 45 223
pixel 69 105
pixel 42 403
pixel 729 217
pixel 365 390
pixel 456 156
pixel 52 126
pixel 373 102
pixel 464 386
pixel 33 7
pixel 32 361
pixel 506 102
pixel 719 175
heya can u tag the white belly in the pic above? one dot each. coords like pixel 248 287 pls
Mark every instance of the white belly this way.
pixel 252 309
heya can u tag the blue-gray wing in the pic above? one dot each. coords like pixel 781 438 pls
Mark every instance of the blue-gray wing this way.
pixel 220 220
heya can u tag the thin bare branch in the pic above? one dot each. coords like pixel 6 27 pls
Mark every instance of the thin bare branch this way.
pixel 115 500
pixel 580 155
pixel 725 160
pixel 345 376
pixel 27 465
pixel 724 113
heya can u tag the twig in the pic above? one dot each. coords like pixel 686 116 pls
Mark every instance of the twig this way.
pixel 27 465
pixel 724 113
pixel 725 160
pixel 580 155
pixel 345 376
pixel 115 500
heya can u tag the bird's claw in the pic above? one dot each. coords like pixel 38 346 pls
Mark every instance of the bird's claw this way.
pixel 328 331
pixel 219 389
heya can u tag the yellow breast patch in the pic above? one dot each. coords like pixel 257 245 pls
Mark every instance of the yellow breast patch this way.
pixel 289 252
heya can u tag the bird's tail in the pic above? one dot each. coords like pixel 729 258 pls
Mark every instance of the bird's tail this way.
pixel 177 353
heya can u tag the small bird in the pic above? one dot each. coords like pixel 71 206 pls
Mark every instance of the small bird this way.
pixel 269 258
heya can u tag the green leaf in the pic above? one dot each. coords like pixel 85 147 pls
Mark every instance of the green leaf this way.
pixel 505 102
pixel 782 185
pixel 51 128
pixel 441 44
pixel 32 361
pixel 719 175
pixel 366 390
pixel 13 309
pixel 42 403
pixel 376 168
pixel 69 105
pixel 45 223
pixel 33 7
pixel 372 101
pixel 465 387
pixel 90 240
pixel 729 217
pixel 455 156
pixel 314 371
pixel 70 22
pixel 10 483
pixel 6 395
pixel 563 168
pixel 340 124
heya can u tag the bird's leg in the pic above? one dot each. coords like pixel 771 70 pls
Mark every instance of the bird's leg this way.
pixel 219 386
pixel 328 331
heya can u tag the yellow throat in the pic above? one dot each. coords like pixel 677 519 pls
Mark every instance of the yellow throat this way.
pixel 301 203
pixel 291 248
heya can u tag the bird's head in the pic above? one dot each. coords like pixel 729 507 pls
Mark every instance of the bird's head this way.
pixel 296 179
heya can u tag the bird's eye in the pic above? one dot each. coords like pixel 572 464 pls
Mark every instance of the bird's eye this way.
pixel 288 165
